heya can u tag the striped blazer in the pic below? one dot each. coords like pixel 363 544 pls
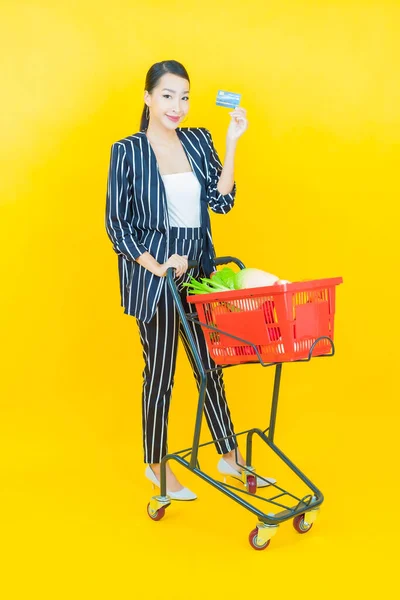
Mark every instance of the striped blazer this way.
pixel 136 217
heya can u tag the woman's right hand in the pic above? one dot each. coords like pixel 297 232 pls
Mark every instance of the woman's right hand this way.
pixel 179 263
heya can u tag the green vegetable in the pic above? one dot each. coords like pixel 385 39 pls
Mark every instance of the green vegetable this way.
pixel 221 281
pixel 225 277
pixel 206 286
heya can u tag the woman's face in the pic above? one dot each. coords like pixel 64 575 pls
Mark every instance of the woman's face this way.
pixel 169 101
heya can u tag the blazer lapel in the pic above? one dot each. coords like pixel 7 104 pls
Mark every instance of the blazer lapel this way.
pixel 194 156
pixel 157 198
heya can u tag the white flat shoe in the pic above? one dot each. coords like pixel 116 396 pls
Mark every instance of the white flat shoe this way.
pixel 183 494
pixel 225 468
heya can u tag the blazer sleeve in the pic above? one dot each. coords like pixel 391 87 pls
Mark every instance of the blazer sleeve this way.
pixel 118 218
pixel 219 203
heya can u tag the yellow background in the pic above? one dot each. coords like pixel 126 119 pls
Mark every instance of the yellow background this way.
pixel 317 176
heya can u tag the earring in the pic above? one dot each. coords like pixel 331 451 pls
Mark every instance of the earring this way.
pixel 147 113
pixel 184 120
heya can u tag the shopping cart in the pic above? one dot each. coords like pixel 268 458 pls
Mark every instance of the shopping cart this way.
pixel 267 325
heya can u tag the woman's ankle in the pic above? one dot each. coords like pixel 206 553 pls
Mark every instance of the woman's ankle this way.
pixel 234 456
pixel 172 481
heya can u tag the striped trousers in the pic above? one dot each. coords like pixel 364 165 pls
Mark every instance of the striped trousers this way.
pixel 159 340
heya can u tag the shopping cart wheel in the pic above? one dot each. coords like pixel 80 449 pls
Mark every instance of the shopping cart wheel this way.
pixel 251 484
pixel 253 541
pixel 300 526
pixel 156 515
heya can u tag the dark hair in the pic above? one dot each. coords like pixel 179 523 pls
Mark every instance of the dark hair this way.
pixel 153 76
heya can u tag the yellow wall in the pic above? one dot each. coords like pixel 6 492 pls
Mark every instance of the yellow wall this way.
pixel 317 176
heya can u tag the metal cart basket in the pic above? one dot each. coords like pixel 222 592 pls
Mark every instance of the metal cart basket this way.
pixel 268 325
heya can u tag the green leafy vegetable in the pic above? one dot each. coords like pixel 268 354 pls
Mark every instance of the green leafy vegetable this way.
pixel 225 277
pixel 220 281
pixel 205 286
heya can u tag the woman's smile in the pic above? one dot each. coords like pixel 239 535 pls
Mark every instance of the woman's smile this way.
pixel 174 119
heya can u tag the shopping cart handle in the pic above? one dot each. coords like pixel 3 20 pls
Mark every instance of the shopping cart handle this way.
pixel 192 264
pixel 225 260
pixel 222 260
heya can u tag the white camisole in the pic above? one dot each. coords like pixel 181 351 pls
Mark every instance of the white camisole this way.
pixel 183 199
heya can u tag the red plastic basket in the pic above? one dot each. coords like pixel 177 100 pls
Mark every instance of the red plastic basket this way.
pixel 282 321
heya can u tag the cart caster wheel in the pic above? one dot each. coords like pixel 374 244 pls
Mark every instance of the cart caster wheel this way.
pixel 157 515
pixel 253 541
pixel 300 526
pixel 251 484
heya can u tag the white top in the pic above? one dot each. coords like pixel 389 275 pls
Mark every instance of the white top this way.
pixel 183 192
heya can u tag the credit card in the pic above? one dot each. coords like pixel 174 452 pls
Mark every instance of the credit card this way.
pixel 228 99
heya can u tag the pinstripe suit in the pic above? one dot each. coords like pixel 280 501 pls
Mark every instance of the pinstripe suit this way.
pixel 136 222
pixel 137 216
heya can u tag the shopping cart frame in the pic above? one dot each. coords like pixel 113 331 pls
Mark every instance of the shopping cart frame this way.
pixel 303 510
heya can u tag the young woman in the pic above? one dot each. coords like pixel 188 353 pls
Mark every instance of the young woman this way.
pixel 161 182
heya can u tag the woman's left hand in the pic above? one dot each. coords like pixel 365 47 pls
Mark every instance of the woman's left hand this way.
pixel 238 124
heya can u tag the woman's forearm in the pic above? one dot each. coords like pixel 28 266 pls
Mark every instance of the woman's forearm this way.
pixel 227 177
pixel 149 262
pixel 176 262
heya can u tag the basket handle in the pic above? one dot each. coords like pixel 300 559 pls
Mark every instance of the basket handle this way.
pixel 222 260
pixel 192 264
